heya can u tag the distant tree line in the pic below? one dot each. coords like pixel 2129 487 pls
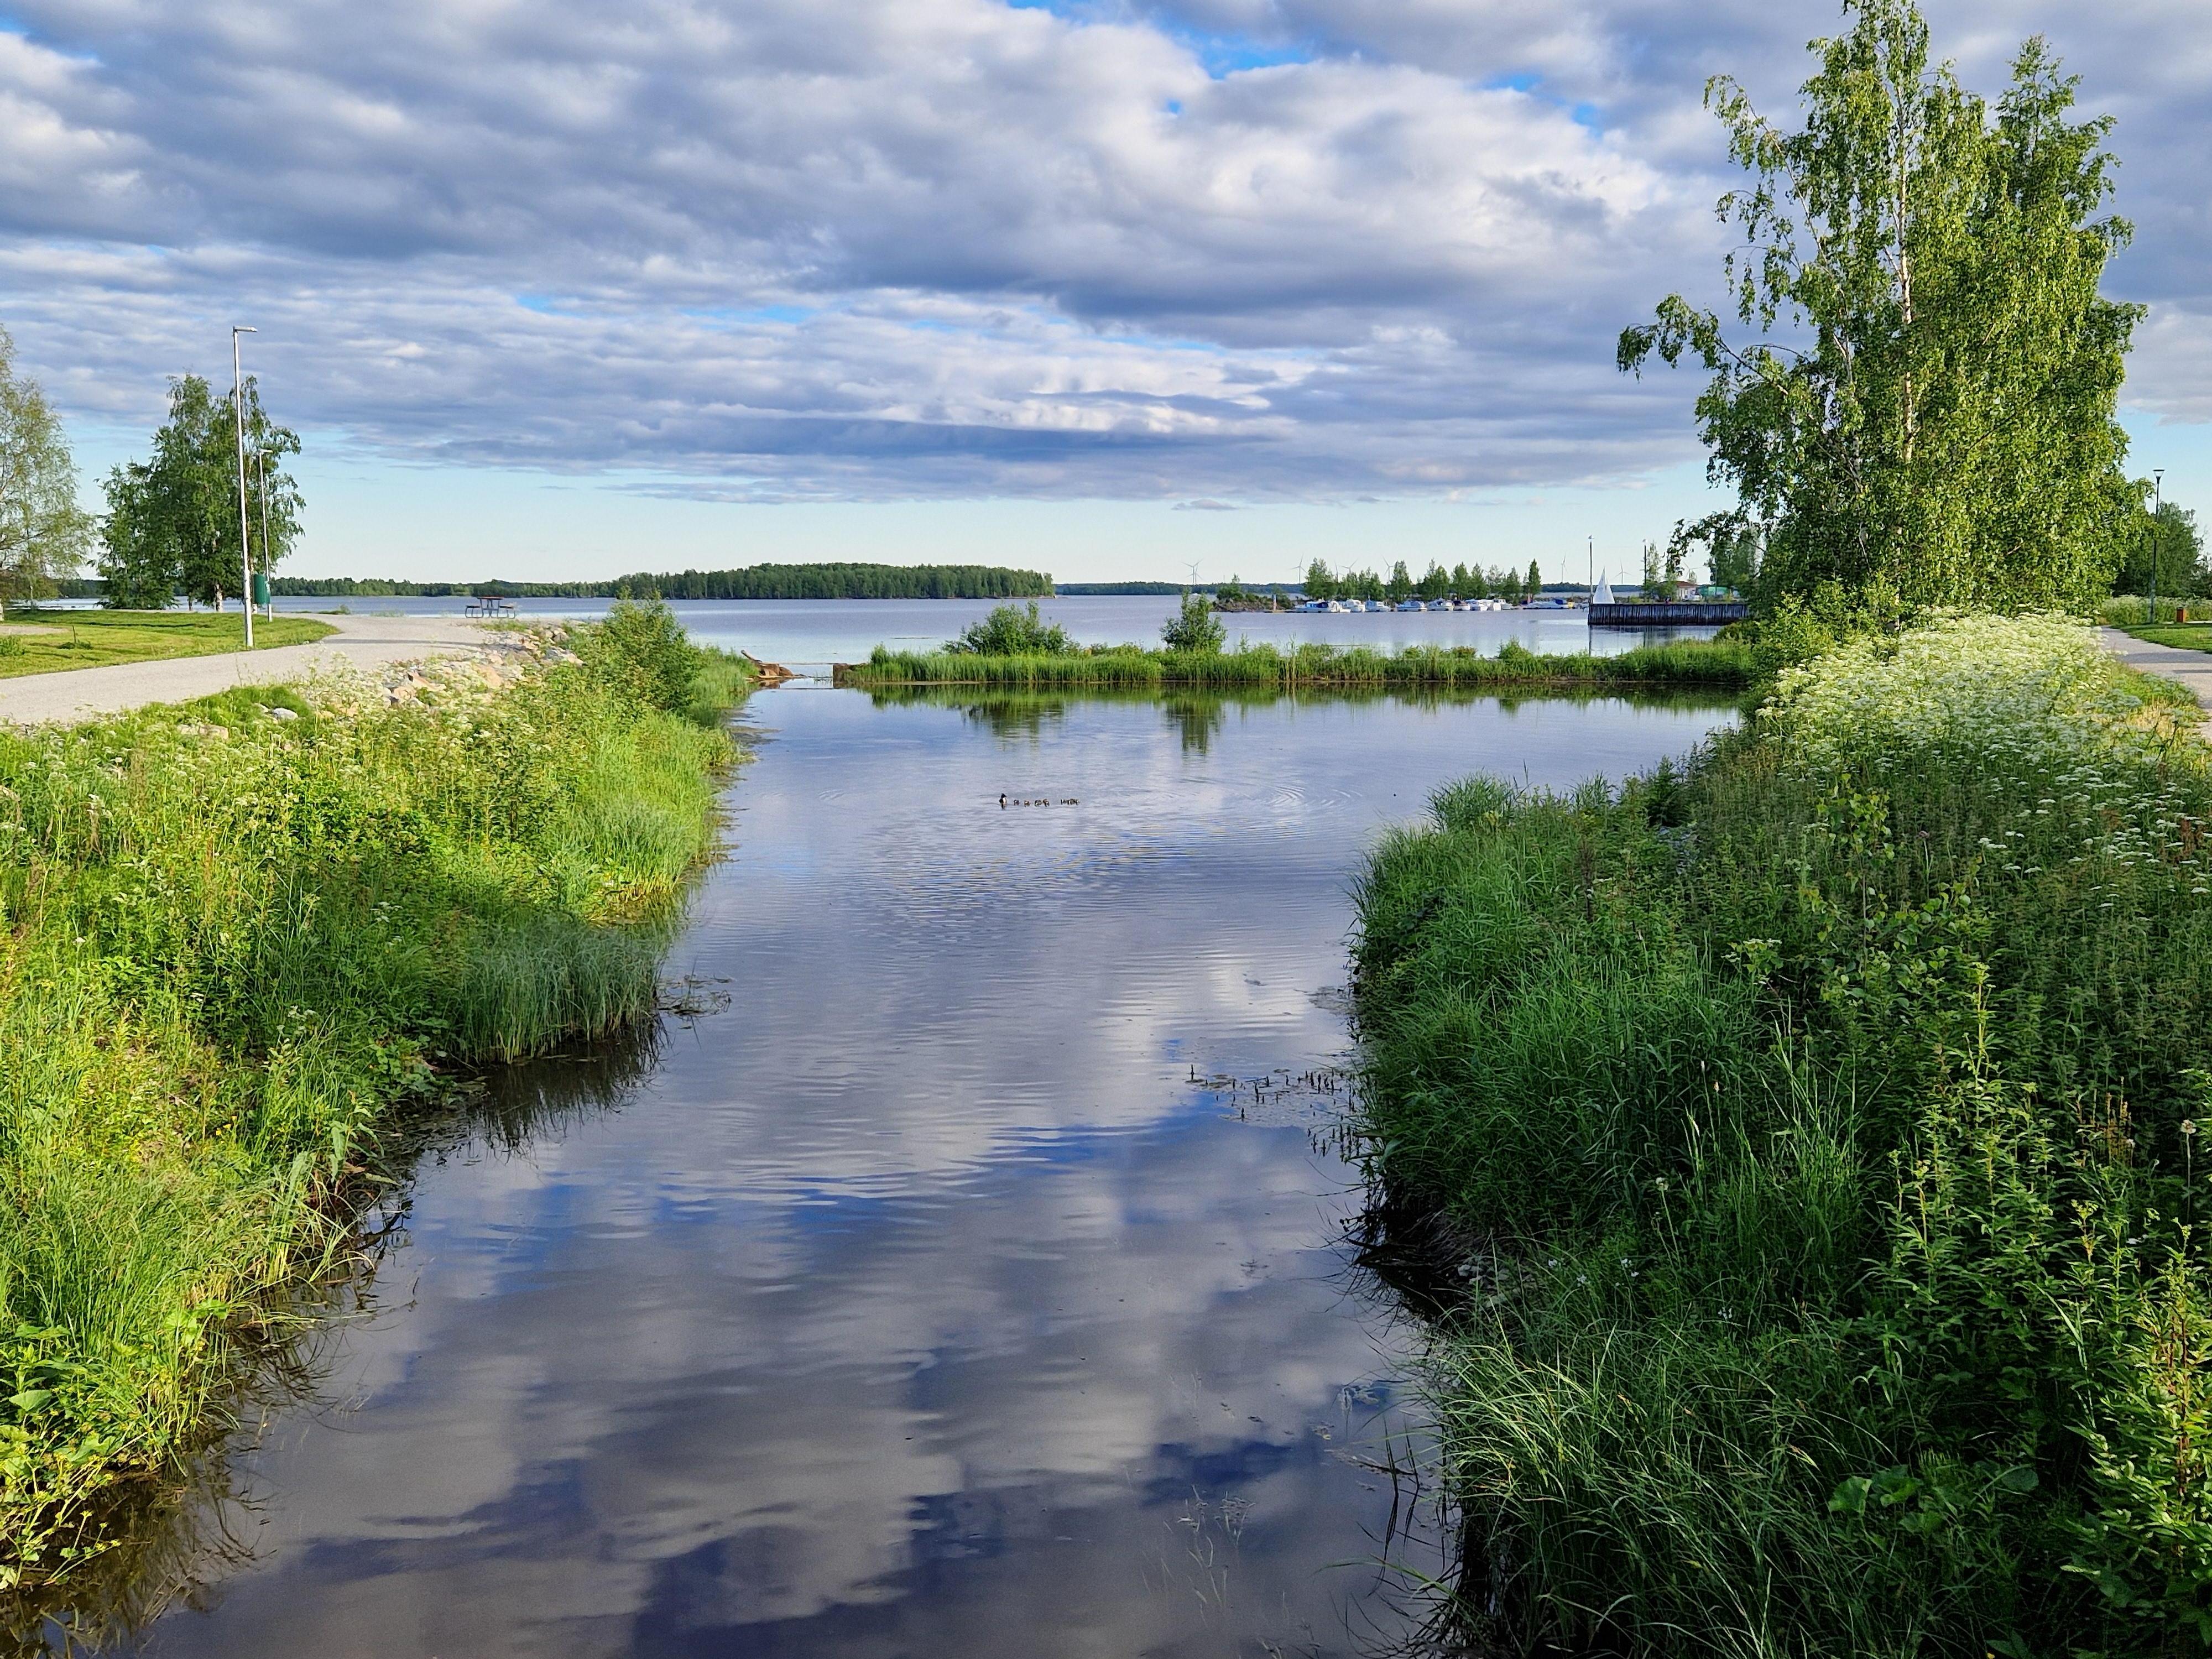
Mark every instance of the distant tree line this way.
pixel 1462 581
pixel 760 581
pixel 849 581
pixel 1091 590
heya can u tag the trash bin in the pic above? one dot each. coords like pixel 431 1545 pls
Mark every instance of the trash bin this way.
pixel 260 589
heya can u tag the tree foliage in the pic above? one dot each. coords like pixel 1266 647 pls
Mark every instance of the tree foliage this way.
pixel 43 531
pixel 173 525
pixel 1928 399
pixel 1194 628
pixel 1727 542
pixel 2169 537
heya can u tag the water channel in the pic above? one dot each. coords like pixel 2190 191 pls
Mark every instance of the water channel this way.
pixel 924 1286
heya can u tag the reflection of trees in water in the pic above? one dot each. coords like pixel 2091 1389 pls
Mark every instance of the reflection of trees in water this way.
pixel 1199 716
pixel 1196 719
pixel 178 1533
pixel 1019 717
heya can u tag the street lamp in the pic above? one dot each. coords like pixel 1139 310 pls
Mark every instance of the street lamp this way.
pixel 245 551
pixel 2157 500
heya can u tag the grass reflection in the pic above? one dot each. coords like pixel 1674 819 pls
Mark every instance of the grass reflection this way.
pixel 170 1537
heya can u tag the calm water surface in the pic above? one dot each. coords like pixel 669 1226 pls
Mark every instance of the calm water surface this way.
pixel 917 1301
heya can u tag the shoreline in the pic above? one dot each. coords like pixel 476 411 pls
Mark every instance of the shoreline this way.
pixel 1731 1097
pixel 341 900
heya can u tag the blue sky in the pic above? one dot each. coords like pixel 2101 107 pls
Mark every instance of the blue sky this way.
pixel 556 289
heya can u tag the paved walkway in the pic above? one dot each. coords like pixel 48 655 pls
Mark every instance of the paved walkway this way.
pixel 79 694
pixel 2190 668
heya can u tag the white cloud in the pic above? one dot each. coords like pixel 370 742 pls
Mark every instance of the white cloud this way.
pixel 938 247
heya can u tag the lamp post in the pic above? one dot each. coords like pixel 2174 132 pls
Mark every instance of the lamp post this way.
pixel 2157 501
pixel 245 551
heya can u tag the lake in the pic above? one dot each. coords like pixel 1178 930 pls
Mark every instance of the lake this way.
pixel 936 1281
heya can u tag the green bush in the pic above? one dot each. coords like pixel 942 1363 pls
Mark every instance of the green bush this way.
pixel 1194 628
pixel 640 652
pixel 1819 1120
pixel 1012 630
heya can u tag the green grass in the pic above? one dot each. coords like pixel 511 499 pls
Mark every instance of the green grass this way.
pixel 2189 636
pixel 1814 1124
pixel 42 641
pixel 1714 664
pixel 232 946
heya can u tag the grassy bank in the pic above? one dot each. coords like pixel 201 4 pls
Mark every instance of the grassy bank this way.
pixel 231 944
pixel 41 642
pixel 1814 1127
pixel 2187 636
pixel 1709 664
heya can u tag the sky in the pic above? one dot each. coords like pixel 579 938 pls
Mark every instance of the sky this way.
pixel 1110 287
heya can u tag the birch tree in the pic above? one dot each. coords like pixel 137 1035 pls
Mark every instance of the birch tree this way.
pixel 43 530
pixel 1924 396
pixel 172 523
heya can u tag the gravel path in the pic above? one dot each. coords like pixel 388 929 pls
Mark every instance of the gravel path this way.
pixel 79 694
pixel 2190 668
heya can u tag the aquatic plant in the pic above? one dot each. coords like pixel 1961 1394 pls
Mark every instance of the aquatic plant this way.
pixel 234 938
pixel 1012 630
pixel 1817 1123
pixel 1194 628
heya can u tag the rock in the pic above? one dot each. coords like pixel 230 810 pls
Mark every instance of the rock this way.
pixel 283 714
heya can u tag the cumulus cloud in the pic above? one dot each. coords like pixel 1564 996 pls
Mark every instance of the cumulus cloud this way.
pixel 1241 249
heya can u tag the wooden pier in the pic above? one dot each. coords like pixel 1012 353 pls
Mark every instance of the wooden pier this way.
pixel 1686 613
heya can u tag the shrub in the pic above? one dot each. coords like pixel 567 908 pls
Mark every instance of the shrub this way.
pixel 1194 628
pixel 641 652
pixel 1012 630
pixel 1819 1120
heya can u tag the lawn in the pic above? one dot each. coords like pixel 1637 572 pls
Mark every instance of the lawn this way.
pixel 2190 636
pixel 40 642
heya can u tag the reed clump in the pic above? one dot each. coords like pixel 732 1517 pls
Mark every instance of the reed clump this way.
pixel 1817 1122
pixel 1716 664
pixel 234 936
